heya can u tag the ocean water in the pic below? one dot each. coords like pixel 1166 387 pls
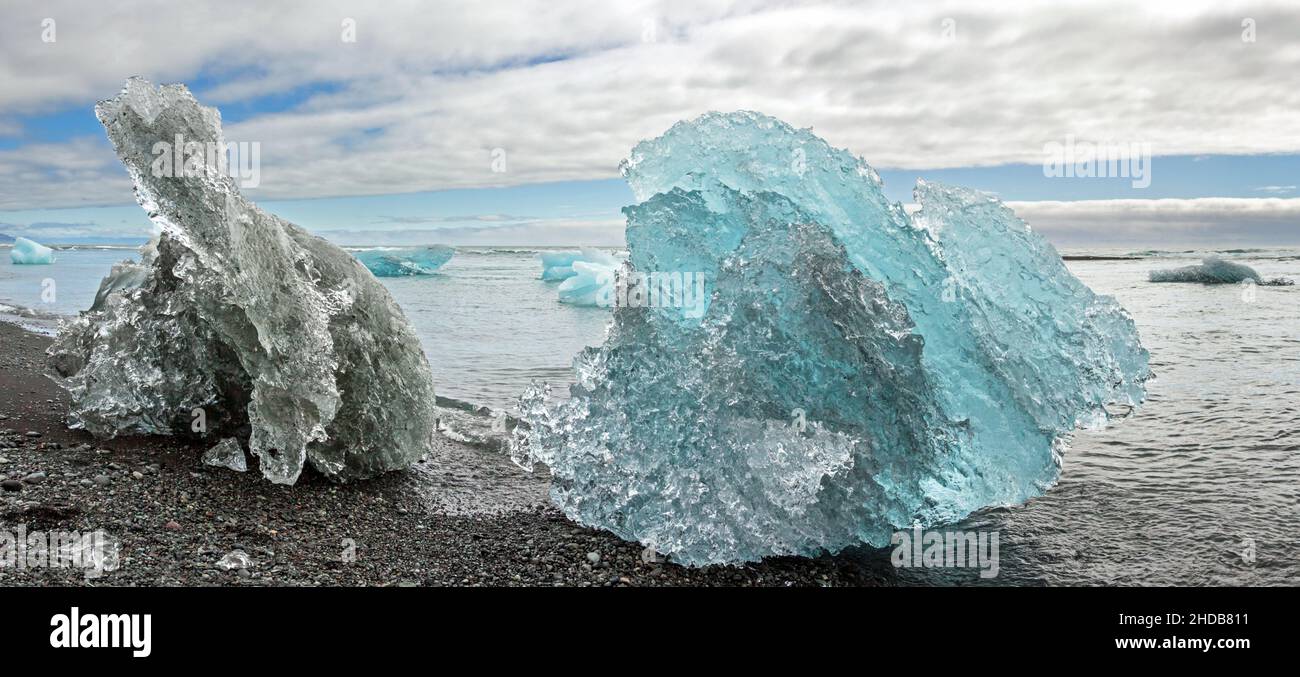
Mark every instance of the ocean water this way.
pixel 1179 493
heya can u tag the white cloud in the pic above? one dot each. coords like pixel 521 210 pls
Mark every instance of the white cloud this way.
pixel 566 88
pixel 1165 222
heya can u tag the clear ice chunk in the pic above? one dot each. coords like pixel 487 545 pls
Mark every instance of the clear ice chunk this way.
pixel 1214 270
pixel 406 262
pixel 227 454
pixel 30 252
pixel 235 559
pixel 237 318
pixel 856 369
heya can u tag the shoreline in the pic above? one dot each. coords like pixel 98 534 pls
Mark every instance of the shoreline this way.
pixel 462 516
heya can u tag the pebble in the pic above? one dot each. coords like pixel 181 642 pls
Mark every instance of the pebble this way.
pixel 138 475
pixel 35 478
pixel 33 434
pixel 593 557
pixel 11 485
pixel 172 525
pixel 102 480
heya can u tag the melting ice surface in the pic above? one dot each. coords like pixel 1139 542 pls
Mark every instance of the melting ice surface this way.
pixel 29 252
pixel 857 369
pixel 240 320
pixel 1213 270
pixel 404 262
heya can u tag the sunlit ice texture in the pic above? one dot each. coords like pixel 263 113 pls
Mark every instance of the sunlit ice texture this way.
pixel 405 262
pixel 30 252
pixel 857 370
pixel 592 279
pixel 236 320
pixel 1214 270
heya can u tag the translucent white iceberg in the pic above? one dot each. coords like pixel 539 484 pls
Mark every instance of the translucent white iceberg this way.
pixel 592 279
pixel 236 319
pixel 856 368
pixel 29 252
pixel 405 262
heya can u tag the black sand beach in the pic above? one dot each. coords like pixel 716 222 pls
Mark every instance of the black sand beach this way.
pixel 463 516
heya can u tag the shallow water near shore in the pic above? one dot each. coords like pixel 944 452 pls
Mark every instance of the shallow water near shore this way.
pixel 1206 471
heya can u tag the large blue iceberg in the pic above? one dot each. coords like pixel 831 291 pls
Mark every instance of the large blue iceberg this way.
pixel 29 252
pixel 1214 270
pixel 856 369
pixel 405 262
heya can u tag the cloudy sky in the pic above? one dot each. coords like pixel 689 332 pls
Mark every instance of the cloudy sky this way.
pixel 392 137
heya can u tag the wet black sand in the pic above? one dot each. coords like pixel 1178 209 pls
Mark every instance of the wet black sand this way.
pixel 461 517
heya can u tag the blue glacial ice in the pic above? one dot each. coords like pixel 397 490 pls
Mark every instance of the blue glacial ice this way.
pixel 857 369
pixel 557 266
pixel 592 279
pixel 1214 270
pixel 29 252
pixel 405 262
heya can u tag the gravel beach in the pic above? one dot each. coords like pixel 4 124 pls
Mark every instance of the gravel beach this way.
pixel 463 516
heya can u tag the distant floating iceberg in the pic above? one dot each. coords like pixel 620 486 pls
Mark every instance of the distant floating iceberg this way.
pixel 29 252
pixel 1214 270
pixel 855 369
pixel 236 320
pixel 405 262
pixel 557 266
pixel 592 279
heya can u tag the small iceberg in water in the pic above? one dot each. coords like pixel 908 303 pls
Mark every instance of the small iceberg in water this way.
pixel 30 252
pixel 405 262
pixel 1214 270
pixel 557 266
pixel 592 279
